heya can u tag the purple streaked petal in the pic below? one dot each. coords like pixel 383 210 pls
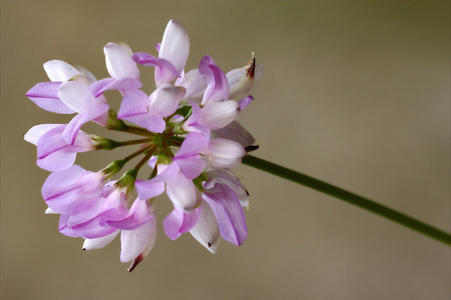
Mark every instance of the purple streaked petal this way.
pixel 179 222
pixel 57 161
pixel 64 190
pixel 225 176
pixel 58 70
pixel 235 132
pixel 52 141
pixel 119 61
pixel 228 212
pixel 45 95
pixel 91 229
pixel 175 45
pixel 217 86
pixel 206 230
pixel 55 154
pixel 64 228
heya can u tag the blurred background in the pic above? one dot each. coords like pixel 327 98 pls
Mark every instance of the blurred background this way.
pixel 355 93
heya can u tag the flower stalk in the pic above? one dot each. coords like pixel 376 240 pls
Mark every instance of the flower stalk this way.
pixel 349 197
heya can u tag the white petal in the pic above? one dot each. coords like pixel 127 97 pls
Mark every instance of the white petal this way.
pixel 49 211
pixel 58 70
pixel 137 241
pixel 77 96
pixel 164 101
pixel 91 244
pixel 182 192
pixel 194 84
pixel 219 114
pixel 224 153
pixel 35 132
pixel 175 45
pixel 119 61
pixel 206 230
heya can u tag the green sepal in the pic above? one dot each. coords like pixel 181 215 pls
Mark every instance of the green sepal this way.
pixel 113 168
pixel 104 143
pixel 114 123
pixel 128 180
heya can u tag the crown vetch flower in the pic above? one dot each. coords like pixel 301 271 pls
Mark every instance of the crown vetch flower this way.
pixel 189 140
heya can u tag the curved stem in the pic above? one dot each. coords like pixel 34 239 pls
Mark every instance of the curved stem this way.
pixel 348 197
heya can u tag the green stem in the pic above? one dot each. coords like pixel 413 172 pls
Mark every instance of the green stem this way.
pixel 134 142
pixel 137 130
pixel 348 197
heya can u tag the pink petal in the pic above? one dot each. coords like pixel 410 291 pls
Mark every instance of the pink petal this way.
pixel 164 70
pixel 135 102
pixel 179 222
pixel 139 213
pixel 153 187
pixel 188 158
pixel 153 123
pixel 245 102
pixel 57 161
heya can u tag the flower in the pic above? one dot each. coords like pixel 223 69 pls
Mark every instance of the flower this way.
pixel 189 141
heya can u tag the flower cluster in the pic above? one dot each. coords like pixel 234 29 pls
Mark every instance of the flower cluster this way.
pixel 188 137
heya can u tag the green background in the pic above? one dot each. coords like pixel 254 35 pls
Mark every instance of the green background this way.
pixel 355 93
